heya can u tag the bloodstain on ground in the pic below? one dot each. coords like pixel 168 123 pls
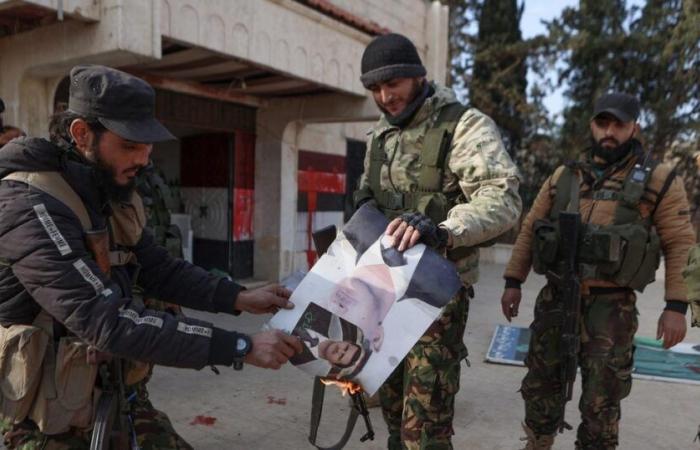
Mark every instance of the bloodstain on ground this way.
pixel 203 420
pixel 276 401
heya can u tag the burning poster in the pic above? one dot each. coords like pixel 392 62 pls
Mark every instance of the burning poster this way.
pixel 364 304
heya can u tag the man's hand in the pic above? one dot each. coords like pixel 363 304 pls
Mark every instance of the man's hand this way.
pixel 268 299
pixel 410 228
pixel 510 302
pixel 672 328
pixel 271 349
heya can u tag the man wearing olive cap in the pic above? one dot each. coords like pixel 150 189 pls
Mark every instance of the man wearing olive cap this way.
pixel 72 244
pixel 633 208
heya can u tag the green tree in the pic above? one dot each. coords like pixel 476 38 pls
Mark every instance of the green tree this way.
pixel 591 43
pixel 460 51
pixel 663 69
pixel 499 79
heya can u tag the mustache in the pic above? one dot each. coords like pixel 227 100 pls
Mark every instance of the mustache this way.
pixel 608 139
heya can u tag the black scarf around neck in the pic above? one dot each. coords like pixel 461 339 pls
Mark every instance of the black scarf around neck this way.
pixel 403 118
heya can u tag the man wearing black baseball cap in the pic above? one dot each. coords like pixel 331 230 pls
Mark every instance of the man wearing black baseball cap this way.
pixel 633 208
pixel 73 242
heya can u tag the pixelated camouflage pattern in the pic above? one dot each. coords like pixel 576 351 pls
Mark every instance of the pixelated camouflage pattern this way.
pixel 608 325
pixel 691 275
pixel 418 398
pixel 479 169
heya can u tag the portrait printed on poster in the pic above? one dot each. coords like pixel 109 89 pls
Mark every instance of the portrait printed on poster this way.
pixel 364 304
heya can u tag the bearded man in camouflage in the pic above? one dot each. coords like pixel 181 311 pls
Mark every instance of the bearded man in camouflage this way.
pixel 438 170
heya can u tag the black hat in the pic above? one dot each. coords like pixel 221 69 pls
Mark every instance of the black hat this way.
pixel 123 103
pixel 390 56
pixel 623 106
pixel 2 106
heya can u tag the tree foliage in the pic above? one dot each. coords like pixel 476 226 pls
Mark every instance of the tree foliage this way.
pixel 499 78
pixel 652 51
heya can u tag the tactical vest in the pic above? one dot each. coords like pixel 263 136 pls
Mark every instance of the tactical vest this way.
pixel 428 199
pixel 691 275
pixel 47 378
pixel 626 253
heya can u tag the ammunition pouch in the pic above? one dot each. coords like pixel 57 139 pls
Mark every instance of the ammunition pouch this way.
pixel 545 246
pixel 67 391
pixel 627 255
pixel 22 350
pixel 50 382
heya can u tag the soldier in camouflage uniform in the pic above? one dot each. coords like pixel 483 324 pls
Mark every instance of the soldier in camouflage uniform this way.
pixel 440 172
pixel 632 208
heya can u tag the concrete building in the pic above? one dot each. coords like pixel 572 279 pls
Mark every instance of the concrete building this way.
pixel 264 95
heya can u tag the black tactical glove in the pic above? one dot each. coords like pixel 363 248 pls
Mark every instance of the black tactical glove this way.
pixel 430 234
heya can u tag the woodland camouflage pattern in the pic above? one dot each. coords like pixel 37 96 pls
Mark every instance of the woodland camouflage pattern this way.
pixel 418 398
pixel 608 325
pixel 478 167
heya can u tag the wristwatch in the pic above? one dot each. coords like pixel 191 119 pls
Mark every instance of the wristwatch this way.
pixel 243 347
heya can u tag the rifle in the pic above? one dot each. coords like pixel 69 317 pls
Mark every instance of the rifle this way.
pixel 112 416
pixel 569 290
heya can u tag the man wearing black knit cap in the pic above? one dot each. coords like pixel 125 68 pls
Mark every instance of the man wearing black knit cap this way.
pixel 440 173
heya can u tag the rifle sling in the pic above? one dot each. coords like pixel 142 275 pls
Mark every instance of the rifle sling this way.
pixel 316 412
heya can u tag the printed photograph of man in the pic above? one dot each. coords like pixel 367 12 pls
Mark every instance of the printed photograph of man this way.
pixel 331 346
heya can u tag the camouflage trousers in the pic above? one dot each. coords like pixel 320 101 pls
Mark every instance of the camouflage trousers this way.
pixel 418 397
pixel 608 325
pixel 152 428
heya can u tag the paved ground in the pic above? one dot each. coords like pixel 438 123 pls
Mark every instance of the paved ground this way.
pixel 258 409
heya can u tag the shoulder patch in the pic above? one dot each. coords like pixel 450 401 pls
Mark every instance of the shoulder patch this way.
pixel 50 226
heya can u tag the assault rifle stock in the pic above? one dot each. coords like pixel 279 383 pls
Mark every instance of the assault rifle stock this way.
pixel 112 421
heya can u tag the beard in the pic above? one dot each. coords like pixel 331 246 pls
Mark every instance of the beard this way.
pixel 416 88
pixel 611 155
pixel 106 176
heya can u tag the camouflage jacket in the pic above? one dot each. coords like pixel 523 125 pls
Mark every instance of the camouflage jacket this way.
pixel 477 166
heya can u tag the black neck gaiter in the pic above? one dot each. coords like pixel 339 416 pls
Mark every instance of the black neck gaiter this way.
pixel 403 118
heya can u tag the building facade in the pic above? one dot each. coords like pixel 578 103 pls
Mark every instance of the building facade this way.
pixel 264 96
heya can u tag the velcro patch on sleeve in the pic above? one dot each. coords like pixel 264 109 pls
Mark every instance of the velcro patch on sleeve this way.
pixel 194 329
pixel 51 228
pixel 140 320
pixel 89 276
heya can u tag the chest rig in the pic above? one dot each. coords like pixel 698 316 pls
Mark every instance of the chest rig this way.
pixel 428 198
pixel 626 252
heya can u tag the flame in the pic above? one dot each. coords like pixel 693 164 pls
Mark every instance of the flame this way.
pixel 346 387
